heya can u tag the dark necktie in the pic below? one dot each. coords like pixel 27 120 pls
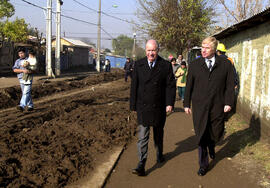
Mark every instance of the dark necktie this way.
pixel 151 65
pixel 210 65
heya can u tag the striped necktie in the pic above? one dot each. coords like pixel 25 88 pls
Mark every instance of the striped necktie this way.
pixel 210 65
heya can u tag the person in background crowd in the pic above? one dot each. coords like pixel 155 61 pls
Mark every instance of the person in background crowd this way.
pixel 26 99
pixel 180 59
pixel 107 65
pixel 221 51
pixel 175 66
pixel 210 89
pixel 152 94
pixel 181 75
pixel 198 54
pixel 128 69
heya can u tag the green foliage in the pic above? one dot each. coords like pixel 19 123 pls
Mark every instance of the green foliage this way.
pixel 123 45
pixel 6 9
pixel 16 31
pixel 107 50
pixel 177 25
pixel 140 52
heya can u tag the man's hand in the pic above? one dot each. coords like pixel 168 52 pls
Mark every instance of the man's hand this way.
pixel 26 71
pixel 169 108
pixel 227 108
pixel 187 110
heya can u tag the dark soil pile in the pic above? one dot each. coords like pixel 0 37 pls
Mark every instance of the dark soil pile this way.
pixel 59 142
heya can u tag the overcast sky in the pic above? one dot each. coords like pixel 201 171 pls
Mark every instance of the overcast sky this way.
pixel 123 9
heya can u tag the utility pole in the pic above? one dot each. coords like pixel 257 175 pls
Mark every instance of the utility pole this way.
pixel 98 40
pixel 49 40
pixel 134 47
pixel 58 37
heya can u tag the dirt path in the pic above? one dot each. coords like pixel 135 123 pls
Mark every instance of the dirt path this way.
pixel 62 140
pixel 180 166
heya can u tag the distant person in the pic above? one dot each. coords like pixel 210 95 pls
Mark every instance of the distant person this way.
pixel 210 89
pixel 26 100
pixel 107 65
pixel 180 59
pixel 30 64
pixel 175 66
pixel 152 94
pixel 128 69
pixel 181 75
pixel 221 51
pixel 198 54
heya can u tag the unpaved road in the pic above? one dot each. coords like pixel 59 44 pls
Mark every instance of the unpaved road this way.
pixel 74 123
pixel 181 163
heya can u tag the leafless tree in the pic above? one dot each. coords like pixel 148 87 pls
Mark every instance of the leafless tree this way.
pixel 238 10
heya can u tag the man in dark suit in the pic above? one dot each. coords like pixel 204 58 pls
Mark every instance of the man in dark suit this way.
pixel 210 88
pixel 152 94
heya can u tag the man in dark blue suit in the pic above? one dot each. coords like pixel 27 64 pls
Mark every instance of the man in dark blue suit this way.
pixel 152 95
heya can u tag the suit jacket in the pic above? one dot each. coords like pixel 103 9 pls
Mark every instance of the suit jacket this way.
pixel 209 92
pixel 151 91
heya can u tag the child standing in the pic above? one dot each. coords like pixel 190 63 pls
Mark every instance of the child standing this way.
pixel 181 75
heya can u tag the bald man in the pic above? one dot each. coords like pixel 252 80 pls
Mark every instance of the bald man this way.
pixel 152 95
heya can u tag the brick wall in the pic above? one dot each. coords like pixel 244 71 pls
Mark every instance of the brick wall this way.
pixel 250 50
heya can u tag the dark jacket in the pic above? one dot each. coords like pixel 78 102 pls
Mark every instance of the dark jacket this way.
pixel 128 67
pixel 151 91
pixel 209 92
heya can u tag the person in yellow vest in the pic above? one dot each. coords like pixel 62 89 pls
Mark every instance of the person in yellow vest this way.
pixel 221 51
pixel 181 75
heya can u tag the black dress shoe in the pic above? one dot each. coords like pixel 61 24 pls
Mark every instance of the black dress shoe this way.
pixel 212 153
pixel 139 171
pixel 201 171
pixel 30 109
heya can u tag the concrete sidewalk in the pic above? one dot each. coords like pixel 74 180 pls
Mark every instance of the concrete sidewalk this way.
pixel 181 162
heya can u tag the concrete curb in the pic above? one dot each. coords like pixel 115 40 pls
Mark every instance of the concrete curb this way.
pixel 102 172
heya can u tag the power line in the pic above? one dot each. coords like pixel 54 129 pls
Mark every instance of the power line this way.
pixel 85 6
pixel 111 16
pixel 69 17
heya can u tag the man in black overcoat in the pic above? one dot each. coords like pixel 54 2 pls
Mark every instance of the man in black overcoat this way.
pixel 152 94
pixel 210 88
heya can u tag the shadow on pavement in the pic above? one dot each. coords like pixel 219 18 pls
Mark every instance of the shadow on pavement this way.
pixel 237 141
pixel 186 145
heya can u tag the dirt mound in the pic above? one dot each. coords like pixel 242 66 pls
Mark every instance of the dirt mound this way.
pixel 11 96
pixel 60 141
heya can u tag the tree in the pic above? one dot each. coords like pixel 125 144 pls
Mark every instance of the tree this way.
pixel 15 31
pixel 87 41
pixel 239 10
pixel 176 24
pixel 107 50
pixel 6 9
pixel 122 45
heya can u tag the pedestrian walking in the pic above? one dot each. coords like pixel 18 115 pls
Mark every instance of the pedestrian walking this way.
pixel 180 59
pixel 221 51
pixel 210 89
pixel 128 67
pixel 152 95
pixel 30 64
pixel 26 87
pixel 107 65
pixel 175 66
pixel 181 75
